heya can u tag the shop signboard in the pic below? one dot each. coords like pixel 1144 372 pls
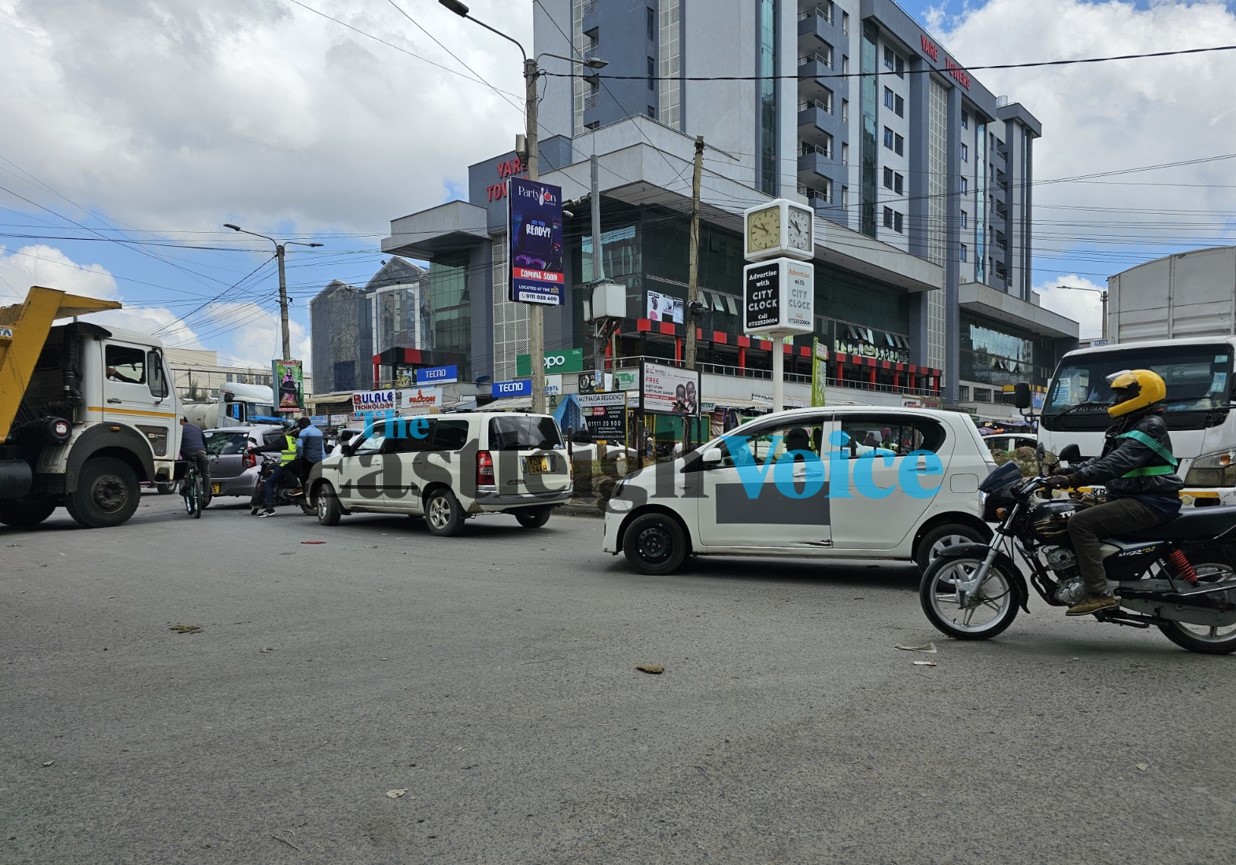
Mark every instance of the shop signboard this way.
pixel 419 398
pixel 432 375
pixel 669 390
pixel 556 362
pixel 663 307
pixel 372 401
pixel 534 230
pixel 605 415
pixel 518 387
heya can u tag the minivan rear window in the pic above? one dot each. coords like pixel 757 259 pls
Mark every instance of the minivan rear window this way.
pixel 521 433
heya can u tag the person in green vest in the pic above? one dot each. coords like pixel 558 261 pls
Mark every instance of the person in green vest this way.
pixel 285 446
pixel 1139 472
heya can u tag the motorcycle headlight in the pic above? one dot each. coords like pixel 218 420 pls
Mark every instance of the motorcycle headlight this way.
pixel 1213 470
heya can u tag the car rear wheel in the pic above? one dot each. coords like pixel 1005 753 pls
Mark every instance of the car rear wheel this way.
pixel 532 518
pixel 443 515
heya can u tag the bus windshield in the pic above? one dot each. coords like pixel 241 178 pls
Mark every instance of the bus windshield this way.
pixel 1198 377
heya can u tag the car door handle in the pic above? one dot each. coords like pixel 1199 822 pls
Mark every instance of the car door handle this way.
pixel 114 400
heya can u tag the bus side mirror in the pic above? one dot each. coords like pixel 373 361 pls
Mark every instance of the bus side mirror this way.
pixel 1021 395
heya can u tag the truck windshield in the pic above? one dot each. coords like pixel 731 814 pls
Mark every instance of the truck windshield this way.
pixel 1198 377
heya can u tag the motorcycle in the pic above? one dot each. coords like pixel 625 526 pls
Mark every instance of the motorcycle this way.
pixel 257 502
pixel 1179 576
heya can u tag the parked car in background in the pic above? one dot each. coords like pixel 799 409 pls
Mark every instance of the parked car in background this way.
pixel 821 483
pixel 233 470
pixel 447 468
pixel 1010 441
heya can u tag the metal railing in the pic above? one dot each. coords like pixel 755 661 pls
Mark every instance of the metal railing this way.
pixel 806 148
pixel 817 57
pixel 821 104
pixel 766 375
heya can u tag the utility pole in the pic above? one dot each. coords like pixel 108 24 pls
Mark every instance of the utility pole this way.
pixel 693 266
pixel 283 304
pixel 280 252
pixel 598 278
pixel 536 312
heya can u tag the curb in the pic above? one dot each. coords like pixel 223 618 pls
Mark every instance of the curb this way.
pixel 581 508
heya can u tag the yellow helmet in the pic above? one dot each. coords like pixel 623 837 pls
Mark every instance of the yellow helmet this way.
pixel 1135 389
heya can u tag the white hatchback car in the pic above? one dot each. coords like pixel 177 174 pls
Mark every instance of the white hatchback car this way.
pixel 844 482
pixel 447 468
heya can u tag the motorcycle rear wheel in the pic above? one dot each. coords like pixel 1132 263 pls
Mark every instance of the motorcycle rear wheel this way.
pixel 1206 639
pixel 993 610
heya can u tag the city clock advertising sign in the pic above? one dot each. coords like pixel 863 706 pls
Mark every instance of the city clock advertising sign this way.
pixel 779 297
pixel 534 230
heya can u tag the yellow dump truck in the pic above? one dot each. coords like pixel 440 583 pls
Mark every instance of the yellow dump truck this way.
pixel 87 413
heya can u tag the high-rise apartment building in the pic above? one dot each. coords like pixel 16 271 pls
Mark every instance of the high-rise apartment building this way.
pixel 921 179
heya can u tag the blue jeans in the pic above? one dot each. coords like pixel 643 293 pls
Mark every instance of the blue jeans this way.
pixel 274 482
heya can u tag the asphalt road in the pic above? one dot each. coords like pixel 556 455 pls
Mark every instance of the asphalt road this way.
pixel 493 679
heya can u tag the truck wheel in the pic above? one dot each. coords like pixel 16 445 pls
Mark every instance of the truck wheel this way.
pixel 25 513
pixel 106 495
pixel 165 489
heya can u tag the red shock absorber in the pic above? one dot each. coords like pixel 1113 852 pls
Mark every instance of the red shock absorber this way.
pixel 1183 568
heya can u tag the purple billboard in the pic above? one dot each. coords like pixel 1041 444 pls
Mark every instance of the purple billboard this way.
pixel 534 229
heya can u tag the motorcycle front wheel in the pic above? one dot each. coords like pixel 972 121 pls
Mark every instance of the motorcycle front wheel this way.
pixel 1212 568
pixel 992 609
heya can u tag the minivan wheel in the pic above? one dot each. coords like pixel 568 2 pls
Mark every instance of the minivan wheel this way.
pixel 532 518
pixel 943 538
pixel 443 515
pixel 655 544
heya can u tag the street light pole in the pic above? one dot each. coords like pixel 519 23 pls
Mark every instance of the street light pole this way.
pixel 1102 292
pixel 536 312
pixel 280 252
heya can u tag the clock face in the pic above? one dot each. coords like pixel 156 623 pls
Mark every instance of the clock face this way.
pixel 800 229
pixel 764 229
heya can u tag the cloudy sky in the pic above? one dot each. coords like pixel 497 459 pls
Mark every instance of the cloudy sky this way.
pixel 135 128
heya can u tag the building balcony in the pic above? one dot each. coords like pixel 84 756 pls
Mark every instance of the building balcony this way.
pixel 815 68
pixel 814 161
pixel 815 116
pixel 817 25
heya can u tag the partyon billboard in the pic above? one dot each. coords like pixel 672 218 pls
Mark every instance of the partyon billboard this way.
pixel 534 229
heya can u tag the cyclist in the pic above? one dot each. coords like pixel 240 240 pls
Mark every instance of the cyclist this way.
pixel 193 449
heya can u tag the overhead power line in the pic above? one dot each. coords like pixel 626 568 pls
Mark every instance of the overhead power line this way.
pixel 926 69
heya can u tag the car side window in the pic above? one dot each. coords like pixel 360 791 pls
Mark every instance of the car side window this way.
pixel 770 443
pixel 449 435
pixel 415 436
pixel 888 435
pixel 372 444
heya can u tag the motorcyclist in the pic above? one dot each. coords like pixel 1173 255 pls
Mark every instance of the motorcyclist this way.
pixel 1139 472
pixel 285 446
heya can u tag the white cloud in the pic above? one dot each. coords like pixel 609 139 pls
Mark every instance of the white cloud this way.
pixel 39 264
pixel 1102 116
pixel 187 113
pixel 1079 300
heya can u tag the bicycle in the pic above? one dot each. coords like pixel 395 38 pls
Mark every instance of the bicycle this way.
pixel 195 493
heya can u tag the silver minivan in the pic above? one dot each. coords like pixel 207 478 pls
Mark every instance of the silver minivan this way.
pixel 447 468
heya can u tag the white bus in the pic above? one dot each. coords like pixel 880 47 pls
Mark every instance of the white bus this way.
pixel 1198 373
